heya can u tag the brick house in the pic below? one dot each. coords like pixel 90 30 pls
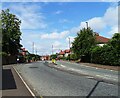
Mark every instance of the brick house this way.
pixel 22 52
pixel 64 53
pixel 61 54
pixel 45 57
pixel 101 40
pixel 67 52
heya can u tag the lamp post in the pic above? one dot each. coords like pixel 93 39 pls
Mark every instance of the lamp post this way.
pixel 91 53
pixel 87 25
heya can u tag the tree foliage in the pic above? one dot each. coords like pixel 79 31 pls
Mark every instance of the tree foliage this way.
pixel 109 54
pixel 53 56
pixel 115 42
pixel 73 57
pixel 83 42
pixel 10 32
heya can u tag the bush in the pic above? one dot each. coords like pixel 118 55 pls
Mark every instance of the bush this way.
pixel 3 54
pixel 106 55
pixel 53 56
pixel 63 58
pixel 73 57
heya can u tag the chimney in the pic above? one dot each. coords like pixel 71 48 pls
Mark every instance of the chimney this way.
pixel 96 34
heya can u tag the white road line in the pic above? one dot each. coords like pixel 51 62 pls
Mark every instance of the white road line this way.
pixel 106 77
pixel 25 84
pixel 93 67
pixel 84 65
pixel 62 65
pixel 89 77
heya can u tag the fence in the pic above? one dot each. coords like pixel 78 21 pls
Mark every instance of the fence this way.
pixel 9 60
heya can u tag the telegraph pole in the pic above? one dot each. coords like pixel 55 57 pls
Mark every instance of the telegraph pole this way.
pixel 33 47
pixel 52 49
pixel 69 42
pixel 36 51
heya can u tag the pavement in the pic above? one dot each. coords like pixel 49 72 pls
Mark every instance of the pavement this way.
pixel 12 85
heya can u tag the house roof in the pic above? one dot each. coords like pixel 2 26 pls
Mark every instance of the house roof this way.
pixel 62 52
pixel 101 39
pixel 67 51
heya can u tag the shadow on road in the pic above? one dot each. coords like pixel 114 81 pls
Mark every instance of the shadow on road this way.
pixel 8 81
pixel 93 89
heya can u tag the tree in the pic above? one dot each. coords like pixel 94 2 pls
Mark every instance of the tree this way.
pixel 73 57
pixel 109 54
pixel 53 56
pixel 115 42
pixel 10 32
pixel 83 42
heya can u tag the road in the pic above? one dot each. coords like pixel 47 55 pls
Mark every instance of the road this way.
pixel 47 81
pixel 104 74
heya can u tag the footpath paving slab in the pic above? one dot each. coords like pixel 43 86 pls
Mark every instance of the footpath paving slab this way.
pixel 12 85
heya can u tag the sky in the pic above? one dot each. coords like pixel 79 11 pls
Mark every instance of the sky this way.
pixel 53 23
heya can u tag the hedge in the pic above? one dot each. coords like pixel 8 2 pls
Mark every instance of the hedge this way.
pixel 106 55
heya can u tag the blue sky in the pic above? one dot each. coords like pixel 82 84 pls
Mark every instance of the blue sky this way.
pixel 51 23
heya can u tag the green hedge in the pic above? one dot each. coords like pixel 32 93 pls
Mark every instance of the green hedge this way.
pixel 106 55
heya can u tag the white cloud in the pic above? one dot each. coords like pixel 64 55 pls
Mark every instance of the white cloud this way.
pixel 43 42
pixel 111 16
pixel 29 15
pixel 59 0
pixel 63 21
pixel 41 46
pixel 110 0
pixel 113 30
pixel 96 23
pixel 57 44
pixel 58 12
pixel 55 35
pixel 109 19
pixel 71 39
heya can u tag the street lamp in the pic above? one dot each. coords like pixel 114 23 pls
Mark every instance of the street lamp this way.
pixel 87 25
pixel 91 53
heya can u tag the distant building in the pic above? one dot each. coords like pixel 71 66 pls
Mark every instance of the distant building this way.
pixel 64 53
pixel 101 40
pixel 22 52
pixel 67 52
pixel 61 54
pixel 45 57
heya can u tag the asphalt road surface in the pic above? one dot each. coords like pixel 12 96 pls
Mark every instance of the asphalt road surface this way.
pixel 47 81
pixel 106 74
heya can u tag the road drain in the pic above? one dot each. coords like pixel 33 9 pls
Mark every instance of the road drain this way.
pixel 33 67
